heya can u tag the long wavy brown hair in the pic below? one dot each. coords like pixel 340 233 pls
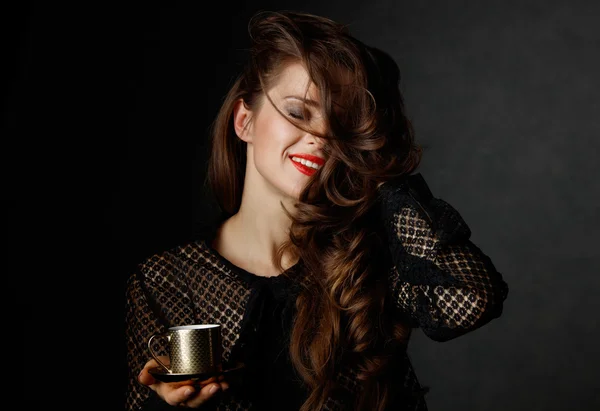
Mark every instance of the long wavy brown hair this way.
pixel 343 316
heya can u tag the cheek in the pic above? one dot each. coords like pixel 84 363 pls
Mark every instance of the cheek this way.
pixel 287 134
pixel 277 134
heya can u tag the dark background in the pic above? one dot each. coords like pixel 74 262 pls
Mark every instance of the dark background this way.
pixel 106 112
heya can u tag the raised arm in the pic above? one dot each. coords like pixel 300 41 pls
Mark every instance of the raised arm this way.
pixel 442 281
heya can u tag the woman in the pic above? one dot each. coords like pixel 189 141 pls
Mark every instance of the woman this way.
pixel 329 249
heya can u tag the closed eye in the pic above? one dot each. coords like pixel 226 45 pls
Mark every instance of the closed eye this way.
pixel 297 116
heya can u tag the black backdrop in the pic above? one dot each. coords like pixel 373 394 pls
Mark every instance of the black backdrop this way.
pixel 106 111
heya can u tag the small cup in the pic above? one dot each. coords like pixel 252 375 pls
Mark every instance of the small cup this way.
pixel 192 349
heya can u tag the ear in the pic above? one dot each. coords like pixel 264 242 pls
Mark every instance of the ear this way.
pixel 241 120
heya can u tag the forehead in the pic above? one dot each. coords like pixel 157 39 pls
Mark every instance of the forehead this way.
pixel 294 80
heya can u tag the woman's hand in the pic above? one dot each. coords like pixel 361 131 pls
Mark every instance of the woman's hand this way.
pixel 190 393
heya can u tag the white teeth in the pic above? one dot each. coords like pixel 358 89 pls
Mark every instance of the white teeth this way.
pixel 306 163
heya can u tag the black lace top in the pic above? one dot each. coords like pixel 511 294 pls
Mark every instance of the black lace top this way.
pixel 440 281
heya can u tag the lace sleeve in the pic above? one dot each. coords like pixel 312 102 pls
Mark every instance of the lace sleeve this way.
pixel 156 298
pixel 443 281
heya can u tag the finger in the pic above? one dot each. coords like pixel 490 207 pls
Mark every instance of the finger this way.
pixel 224 384
pixel 145 377
pixel 175 395
pixel 205 394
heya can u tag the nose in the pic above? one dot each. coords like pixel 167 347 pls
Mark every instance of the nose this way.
pixel 314 140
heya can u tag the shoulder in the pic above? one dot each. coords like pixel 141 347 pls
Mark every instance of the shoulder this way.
pixel 190 253
pixel 411 188
pixel 167 261
pixel 410 196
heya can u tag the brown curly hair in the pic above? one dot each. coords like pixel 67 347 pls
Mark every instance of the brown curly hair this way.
pixel 343 315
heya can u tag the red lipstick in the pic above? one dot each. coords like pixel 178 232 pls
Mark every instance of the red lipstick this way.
pixel 313 159
pixel 309 171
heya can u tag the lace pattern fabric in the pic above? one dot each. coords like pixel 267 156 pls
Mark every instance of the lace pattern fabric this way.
pixel 439 280
pixel 446 284
pixel 183 286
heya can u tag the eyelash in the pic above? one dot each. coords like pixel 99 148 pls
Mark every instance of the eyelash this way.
pixel 296 115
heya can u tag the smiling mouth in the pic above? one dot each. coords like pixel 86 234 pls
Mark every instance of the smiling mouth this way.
pixel 304 166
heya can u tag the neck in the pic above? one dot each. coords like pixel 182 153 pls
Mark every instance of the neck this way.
pixel 259 228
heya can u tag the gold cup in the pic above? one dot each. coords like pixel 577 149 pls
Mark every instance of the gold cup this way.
pixel 192 349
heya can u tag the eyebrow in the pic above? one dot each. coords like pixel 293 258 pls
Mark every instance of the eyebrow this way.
pixel 305 100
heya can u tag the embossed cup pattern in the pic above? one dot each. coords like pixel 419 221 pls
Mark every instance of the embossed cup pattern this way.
pixel 193 349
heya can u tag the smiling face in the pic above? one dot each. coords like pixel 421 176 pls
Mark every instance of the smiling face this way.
pixel 283 155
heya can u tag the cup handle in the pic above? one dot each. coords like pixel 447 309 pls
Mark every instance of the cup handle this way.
pixel 154 354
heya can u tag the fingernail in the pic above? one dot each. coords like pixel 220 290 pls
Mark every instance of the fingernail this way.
pixel 213 389
pixel 139 375
pixel 188 392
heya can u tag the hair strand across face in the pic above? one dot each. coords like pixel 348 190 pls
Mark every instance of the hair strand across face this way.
pixel 368 141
